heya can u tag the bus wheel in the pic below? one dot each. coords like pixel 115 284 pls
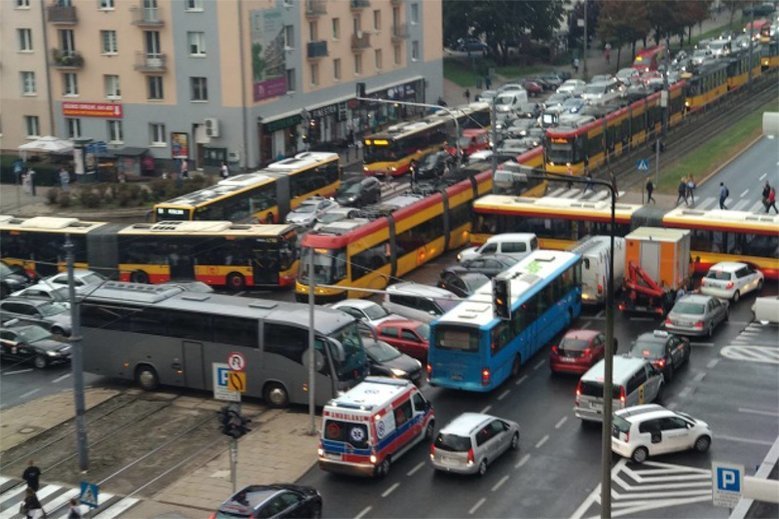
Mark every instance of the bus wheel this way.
pixel 276 395
pixel 515 367
pixel 236 281
pixel 147 378
pixel 139 276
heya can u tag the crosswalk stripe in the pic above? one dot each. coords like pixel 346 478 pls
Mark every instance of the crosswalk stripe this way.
pixel 42 494
pixel 58 502
pixel 738 206
pixel 757 207
pixel 706 202
pixel 117 508
pixel 9 495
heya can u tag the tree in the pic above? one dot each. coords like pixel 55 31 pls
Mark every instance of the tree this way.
pixel 576 33
pixel 619 26
pixel 732 6
pixel 692 13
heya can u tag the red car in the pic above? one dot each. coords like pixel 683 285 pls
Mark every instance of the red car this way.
pixel 409 336
pixel 533 88
pixel 578 351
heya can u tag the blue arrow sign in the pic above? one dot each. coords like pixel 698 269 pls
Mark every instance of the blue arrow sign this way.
pixel 642 164
pixel 89 494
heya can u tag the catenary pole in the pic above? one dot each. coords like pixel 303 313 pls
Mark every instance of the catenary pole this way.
pixel 311 344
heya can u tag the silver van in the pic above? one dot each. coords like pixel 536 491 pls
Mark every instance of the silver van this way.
pixel 421 302
pixel 515 244
pixel 636 382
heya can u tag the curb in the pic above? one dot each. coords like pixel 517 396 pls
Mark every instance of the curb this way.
pixel 727 162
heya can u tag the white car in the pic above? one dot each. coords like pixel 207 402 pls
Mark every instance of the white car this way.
pixel 648 430
pixel 307 212
pixel 45 291
pixel 731 280
pixel 600 93
pixel 83 280
pixel 573 87
pixel 366 311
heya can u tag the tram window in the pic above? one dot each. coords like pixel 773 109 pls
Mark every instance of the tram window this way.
pixel 370 259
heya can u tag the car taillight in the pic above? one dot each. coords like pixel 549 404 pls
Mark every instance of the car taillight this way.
pixel 668 321
pixel 699 325
pixel 555 350
pixel 470 457
pixel 621 307
pixel 627 437
pixel 622 395
pixel 432 450
pixel 578 390
pixel 660 363
pixel 730 285
pixel 600 288
pixel 429 369
pixel 212 515
pixel 586 352
pixel 485 377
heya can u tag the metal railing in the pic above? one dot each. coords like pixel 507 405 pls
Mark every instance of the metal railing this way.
pixel 317 49
pixel 66 58
pixel 146 16
pixel 361 40
pixel 146 62
pixel 400 31
pixel 62 14
pixel 316 7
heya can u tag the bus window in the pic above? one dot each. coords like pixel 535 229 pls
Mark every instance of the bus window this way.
pixel 288 341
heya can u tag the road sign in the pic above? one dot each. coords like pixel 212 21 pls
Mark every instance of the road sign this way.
pixel 219 375
pixel 89 494
pixel 236 381
pixel 236 361
pixel 642 164
pixel 727 481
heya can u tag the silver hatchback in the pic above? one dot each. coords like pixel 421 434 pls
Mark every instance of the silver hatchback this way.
pixel 472 441
pixel 696 315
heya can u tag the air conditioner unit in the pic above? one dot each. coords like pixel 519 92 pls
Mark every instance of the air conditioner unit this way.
pixel 212 126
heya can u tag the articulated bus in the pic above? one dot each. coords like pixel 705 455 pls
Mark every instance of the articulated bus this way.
pixel 390 152
pixel 387 241
pixel 472 349
pixel 165 335
pixel 263 196
pixel 216 253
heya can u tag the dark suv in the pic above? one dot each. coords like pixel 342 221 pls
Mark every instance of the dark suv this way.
pixel 666 351
pixel 12 278
pixel 359 192
pixel 434 165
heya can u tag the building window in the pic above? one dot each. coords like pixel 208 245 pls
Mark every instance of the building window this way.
pixel 197 43
pixel 108 39
pixel 69 84
pixel 289 37
pixel 377 54
pixel 414 50
pixel 313 31
pixel 356 25
pixel 154 88
pixel 358 64
pixel 73 127
pixel 315 74
pixel 152 42
pixel 396 53
pixel 115 133
pixel 194 5
pixel 376 20
pixel 112 90
pixel 198 88
pixel 337 69
pixel 336 28
pixel 415 13
pixel 25 39
pixel 106 5
pixel 22 4
pixel 290 80
pixel 31 124
pixel 157 134
pixel 28 84
pixel 67 41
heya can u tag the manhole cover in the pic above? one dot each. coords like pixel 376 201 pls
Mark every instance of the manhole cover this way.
pixel 28 430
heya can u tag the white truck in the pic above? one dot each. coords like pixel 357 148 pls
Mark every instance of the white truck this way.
pixel 595 266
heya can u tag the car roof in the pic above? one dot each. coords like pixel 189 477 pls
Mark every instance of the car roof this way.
pixel 581 334
pixel 511 235
pixel 417 289
pixel 401 323
pixel 466 423
pixel 652 337
pixel 17 299
pixel 695 298
pixel 642 412
pixel 356 303
pixel 728 266
pixel 252 497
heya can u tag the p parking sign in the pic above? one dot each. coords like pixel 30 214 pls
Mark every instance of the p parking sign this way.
pixel 727 482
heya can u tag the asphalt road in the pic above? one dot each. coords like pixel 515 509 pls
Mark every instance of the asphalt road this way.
pixel 21 382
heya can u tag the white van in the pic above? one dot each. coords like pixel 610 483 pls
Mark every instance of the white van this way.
pixel 510 101
pixel 595 266
pixel 416 301
pixel 517 244
pixel 766 309
pixel 635 382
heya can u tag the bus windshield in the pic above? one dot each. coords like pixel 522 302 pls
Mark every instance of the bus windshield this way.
pixel 349 359
pixel 380 154
pixel 560 153
pixel 329 265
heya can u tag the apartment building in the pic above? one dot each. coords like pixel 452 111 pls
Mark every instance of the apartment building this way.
pixel 242 81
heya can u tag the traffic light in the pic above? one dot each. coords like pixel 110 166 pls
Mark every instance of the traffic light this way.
pixel 233 423
pixel 501 297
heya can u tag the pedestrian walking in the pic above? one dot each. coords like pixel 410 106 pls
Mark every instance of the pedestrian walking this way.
pixel 607 52
pixel 64 179
pixel 184 168
pixel 690 190
pixel 31 507
pixel 224 171
pixel 650 187
pixel 467 95
pixel 74 510
pixel 575 65
pixel 771 201
pixel 766 192
pixel 682 191
pixel 724 193
pixel 18 170
pixel 31 180
pixel 413 169
pixel 589 185
pixel 32 475
pixel 487 82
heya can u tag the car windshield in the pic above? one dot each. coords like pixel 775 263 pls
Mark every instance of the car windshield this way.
pixel 620 425
pixel 572 344
pixel 447 304
pixel 48 309
pixel 93 278
pixel 648 349
pixel 423 330
pixel 349 188
pixel 375 312
pixel 380 351
pixel 5 270
pixel 34 333
pixel 688 308
pixel 720 275
pixel 593 89
pixel 305 208
pixel 453 443
pixel 430 161
pixel 504 100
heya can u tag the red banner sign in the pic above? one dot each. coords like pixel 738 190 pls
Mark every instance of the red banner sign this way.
pixel 111 110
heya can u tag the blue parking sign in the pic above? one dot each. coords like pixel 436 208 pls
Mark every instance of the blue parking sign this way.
pixel 728 479
pixel 726 483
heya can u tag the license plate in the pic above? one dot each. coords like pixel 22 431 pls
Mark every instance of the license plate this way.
pixel 331 456
pixel 597 407
pixel 568 359
pixel 457 376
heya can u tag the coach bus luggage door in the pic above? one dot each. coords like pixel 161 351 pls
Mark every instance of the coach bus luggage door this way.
pixel 193 365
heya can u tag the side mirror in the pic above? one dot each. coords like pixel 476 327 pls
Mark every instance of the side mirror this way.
pixel 337 350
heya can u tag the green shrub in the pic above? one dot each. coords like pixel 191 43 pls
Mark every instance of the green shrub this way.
pixel 52 196
pixel 89 198
pixel 63 198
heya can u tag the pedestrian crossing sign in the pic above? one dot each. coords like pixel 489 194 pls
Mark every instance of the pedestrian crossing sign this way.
pixel 642 164
pixel 89 494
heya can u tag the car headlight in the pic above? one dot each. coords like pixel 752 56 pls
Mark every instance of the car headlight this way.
pixel 53 353
pixel 398 373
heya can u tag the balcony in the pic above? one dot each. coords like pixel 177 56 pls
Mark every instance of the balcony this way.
pixel 316 7
pixel 396 2
pixel 359 4
pixel 399 31
pixel 146 17
pixel 361 41
pixel 150 63
pixel 67 59
pixel 62 14
pixel 317 49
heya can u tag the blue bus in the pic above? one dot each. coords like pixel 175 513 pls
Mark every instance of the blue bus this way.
pixel 474 350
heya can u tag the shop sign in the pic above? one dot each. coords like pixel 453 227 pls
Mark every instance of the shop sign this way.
pixel 73 109
pixel 280 124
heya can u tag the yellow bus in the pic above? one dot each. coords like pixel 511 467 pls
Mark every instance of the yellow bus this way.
pixel 264 196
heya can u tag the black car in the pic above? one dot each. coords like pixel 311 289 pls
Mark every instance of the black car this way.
pixel 12 278
pixel 32 343
pixel 434 165
pixel 666 351
pixel 461 282
pixel 488 264
pixel 359 192
pixel 279 500
pixel 387 361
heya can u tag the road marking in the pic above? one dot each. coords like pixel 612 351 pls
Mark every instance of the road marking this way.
pixel 415 469
pixel 703 344
pixel 60 500
pixel 757 411
pixel 240 293
pixel 18 371
pixel 484 411
pixel 521 379
pixel 743 440
pixel 764 175
pixel 500 483
pixel 539 364
pixel 684 392
pixel 599 314
pixel 504 394
pixel 699 376
pixel 560 422
pixel 712 363
pixel 587 324
pixel 522 461
pixel 477 505
pixel 390 490
pixel 29 393
pixel 364 511
pixel 542 441
pixel 117 508
pixel 60 379
pixel 742 195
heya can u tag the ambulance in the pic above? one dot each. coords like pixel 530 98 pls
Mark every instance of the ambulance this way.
pixel 367 428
